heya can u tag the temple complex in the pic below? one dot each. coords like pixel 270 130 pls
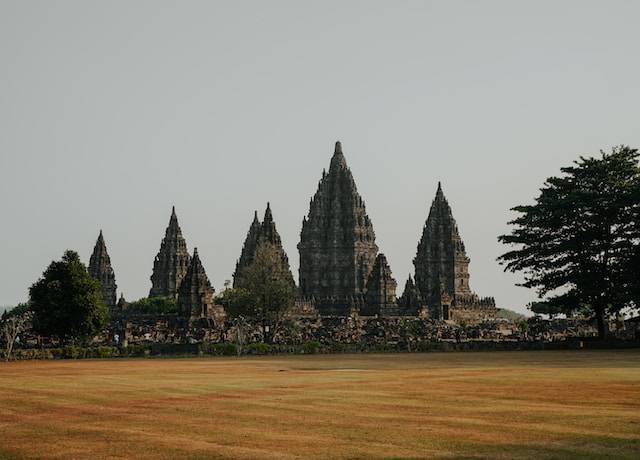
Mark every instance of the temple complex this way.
pixel 195 299
pixel 442 268
pixel 261 232
pixel 100 269
pixel 171 264
pixel 341 272
pixel 337 242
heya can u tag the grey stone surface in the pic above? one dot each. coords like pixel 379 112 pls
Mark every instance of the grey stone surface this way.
pixel 100 269
pixel 171 264
pixel 337 242
pixel 442 268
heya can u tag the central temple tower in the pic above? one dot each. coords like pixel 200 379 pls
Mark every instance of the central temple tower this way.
pixel 337 243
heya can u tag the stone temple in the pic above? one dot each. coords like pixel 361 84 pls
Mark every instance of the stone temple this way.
pixel 261 232
pixel 100 269
pixel 337 242
pixel 442 268
pixel 195 298
pixel 171 264
pixel 341 272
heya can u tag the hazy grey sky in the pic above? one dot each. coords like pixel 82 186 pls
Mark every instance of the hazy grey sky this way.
pixel 111 112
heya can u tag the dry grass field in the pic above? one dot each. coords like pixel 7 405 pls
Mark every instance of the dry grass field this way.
pixel 459 405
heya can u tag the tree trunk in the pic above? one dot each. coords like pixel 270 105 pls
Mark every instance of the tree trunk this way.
pixel 9 349
pixel 602 328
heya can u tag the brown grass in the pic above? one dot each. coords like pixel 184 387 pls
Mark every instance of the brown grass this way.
pixel 484 405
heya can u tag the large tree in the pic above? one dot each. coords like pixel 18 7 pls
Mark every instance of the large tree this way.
pixel 266 294
pixel 13 323
pixel 67 302
pixel 577 243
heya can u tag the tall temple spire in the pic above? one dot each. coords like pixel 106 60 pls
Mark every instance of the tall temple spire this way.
pixel 441 261
pixel 337 242
pixel 100 269
pixel 338 161
pixel 171 264
pixel 248 250
pixel 195 299
pixel 268 216
pixel 265 232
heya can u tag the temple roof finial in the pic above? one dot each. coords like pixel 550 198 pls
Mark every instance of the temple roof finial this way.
pixel 268 216
pixel 338 148
pixel 337 160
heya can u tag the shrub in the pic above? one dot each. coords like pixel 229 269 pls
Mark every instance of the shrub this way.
pixel 106 352
pixel 135 350
pixel 312 347
pixel 154 306
pixel 71 352
pixel 220 349
pixel 258 348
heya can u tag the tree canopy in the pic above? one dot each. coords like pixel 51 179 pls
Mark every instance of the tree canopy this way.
pixel 154 305
pixel 578 243
pixel 266 294
pixel 66 301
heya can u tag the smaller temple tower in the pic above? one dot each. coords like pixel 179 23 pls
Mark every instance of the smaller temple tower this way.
pixel 171 263
pixel 410 302
pixel 100 269
pixel 195 299
pixel 248 250
pixel 259 233
pixel 381 289
pixel 442 268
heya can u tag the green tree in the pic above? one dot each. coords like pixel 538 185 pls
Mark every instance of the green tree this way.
pixel 18 310
pixel 576 244
pixel 13 323
pixel 157 305
pixel 548 308
pixel 266 295
pixel 66 301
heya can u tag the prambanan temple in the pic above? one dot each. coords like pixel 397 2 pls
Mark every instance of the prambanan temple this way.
pixel 341 272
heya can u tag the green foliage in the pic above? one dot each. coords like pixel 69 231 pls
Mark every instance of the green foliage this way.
pixel 154 306
pixel 219 349
pixel 237 301
pixel 511 315
pixel 72 352
pixel 310 348
pixel 576 244
pixel 266 295
pixel 549 308
pixel 18 310
pixel 66 301
pixel 258 349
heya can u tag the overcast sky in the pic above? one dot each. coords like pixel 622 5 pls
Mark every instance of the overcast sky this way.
pixel 111 112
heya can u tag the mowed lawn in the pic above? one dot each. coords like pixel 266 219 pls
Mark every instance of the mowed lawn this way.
pixel 582 404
